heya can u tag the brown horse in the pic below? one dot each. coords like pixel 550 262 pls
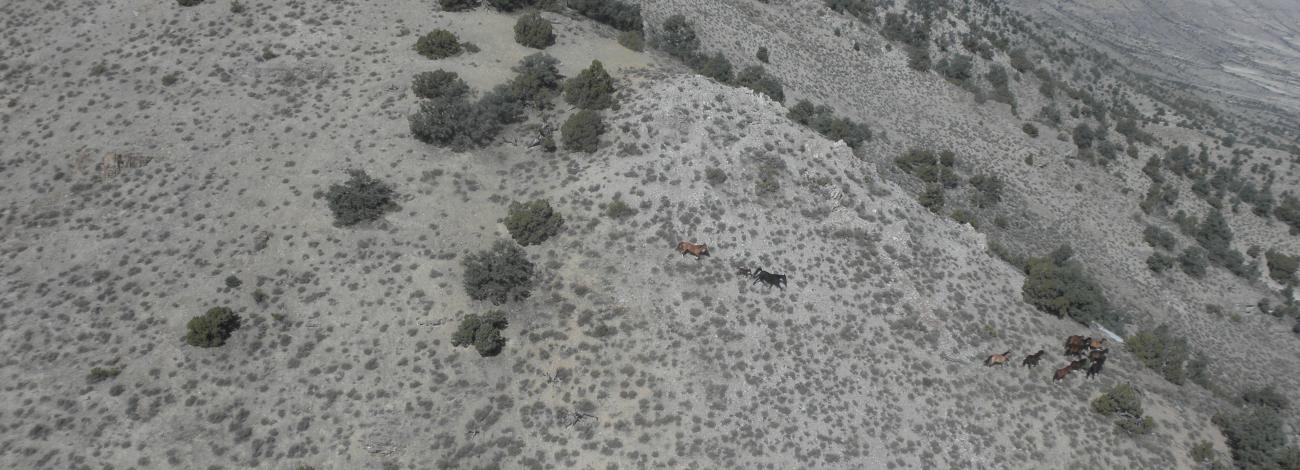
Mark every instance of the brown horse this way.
pixel 998 359
pixel 1096 343
pixel 1031 360
pixel 1062 373
pixel 1079 364
pixel 1075 344
pixel 1098 354
pixel 697 250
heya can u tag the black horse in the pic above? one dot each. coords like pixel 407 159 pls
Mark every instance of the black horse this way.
pixel 771 279
pixel 1095 368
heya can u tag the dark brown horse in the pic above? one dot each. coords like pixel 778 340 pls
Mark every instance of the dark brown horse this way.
pixel 998 359
pixel 691 248
pixel 1075 344
pixel 1079 364
pixel 1062 373
pixel 1098 354
pixel 1031 360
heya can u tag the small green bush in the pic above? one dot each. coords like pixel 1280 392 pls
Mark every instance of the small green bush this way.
pixel 510 5
pixel 100 374
pixel 1193 262
pixel 678 39
pixel 715 176
pixel 483 332
pixel 531 30
pixel 617 209
pixel 533 222
pixel 1159 262
pixel 1083 136
pixel 456 123
pixel 1030 130
pixel 988 190
pixel 1266 396
pixel 458 5
pixel 918 58
pixel 932 198
pixel 537 81
pixel 499 275
pixel 633 40
pixel 188 3
pixel 1059 286
pixel 755 77
pixel 1159 238
pixel 1281 268
pixel 1255 435
pixel 623 16
pixel 360 199
pixel 1202 452
pixel 929 166
pixel 715 66
pixel 761 55
pixel 213 328
pixel 233 282
pixel 439 84
pixel 593 88
pixel 1123 401
pixel 438 44
pixel 582 131
pixel 823 120
pixel 1159 350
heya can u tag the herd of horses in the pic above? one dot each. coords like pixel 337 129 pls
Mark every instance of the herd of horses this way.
pixel 757 275
pixel 1082 352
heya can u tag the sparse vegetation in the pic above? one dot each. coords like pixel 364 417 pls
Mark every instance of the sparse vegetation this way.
pixel 360 199
pixel 213 328
pixel 499 275
pixel 533 222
